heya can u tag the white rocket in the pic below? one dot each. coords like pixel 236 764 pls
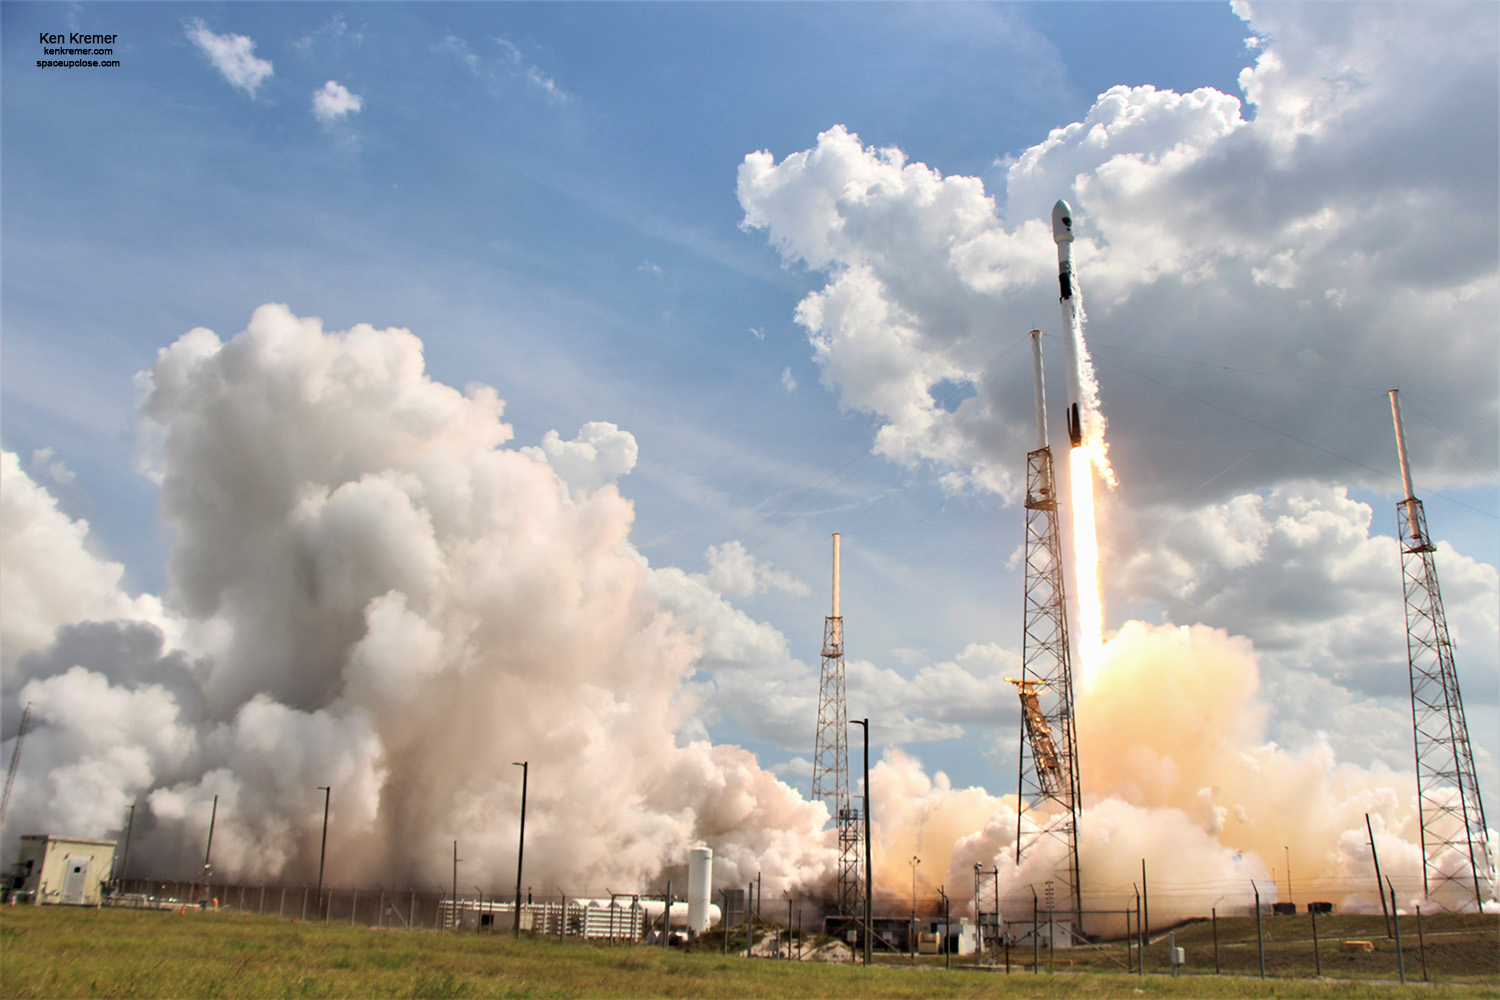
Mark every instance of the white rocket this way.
pixel 1062 234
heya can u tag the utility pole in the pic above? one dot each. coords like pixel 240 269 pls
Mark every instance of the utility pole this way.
pixel 525 767
pixel 327 791
pixel 1448 803
pixel 454 908
pixel 869 859
pixel 208 850
pixel 129 827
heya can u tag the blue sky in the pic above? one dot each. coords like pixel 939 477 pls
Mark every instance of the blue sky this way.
pixel 550 196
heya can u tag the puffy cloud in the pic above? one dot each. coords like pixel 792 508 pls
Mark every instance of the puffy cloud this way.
pixel 601 453
pixel 1246 249
pixel 734 572
pixel 332 102
pixel 232 55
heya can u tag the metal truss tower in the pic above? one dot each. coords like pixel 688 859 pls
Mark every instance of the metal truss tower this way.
pixel 831 756
pixel 1048 779
pixel 1448 804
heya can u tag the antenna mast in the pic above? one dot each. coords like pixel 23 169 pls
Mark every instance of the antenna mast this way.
pixel 1448 805
pixel 1048 772
pixel 831 757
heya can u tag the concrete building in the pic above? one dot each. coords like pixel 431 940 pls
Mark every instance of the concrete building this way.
pixel 61 870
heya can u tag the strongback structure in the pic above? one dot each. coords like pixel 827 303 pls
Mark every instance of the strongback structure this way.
pixel 1456 856
pixel 831 757
pixel 1048 781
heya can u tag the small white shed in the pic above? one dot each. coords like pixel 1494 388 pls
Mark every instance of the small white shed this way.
pixel 63 869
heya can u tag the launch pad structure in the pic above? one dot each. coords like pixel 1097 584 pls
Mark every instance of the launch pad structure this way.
pixel 1047 820
pixel 830 783
pixel 1450 812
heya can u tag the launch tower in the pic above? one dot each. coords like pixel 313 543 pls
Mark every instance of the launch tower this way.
pixel 1048 782
pixel 831 757
pixel 1451 814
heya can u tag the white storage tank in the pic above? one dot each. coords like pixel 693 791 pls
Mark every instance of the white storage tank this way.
pixel 700 888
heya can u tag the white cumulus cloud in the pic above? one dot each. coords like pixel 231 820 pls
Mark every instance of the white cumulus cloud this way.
pixel 332 102
pixel 232 55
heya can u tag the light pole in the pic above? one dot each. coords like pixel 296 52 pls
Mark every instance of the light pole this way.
pixel 869 861
pixel 525 766
pixel 327 791
pixel 912 933
pixel 1289 897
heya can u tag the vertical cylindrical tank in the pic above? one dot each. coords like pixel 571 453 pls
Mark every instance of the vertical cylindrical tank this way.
pixel 700 888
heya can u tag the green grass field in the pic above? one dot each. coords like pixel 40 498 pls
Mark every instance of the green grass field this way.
pixel 62 952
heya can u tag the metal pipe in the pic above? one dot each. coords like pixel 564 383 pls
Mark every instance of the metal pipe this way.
pixel 1409 501
pixel 835 575
pixel 1041 392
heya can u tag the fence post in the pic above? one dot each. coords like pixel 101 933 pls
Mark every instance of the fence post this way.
pixel 1317 958
pixel 1396 920
pixel 353 907
pixel 260 908
pixel 1036 936
pixel 1215 919
pixel 1260 937
pixel 304 904
pixel 1422 945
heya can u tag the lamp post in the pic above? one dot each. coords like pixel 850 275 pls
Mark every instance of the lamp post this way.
pixel 1289 897
pixel 912 934
pixel 327 791
pixel 525 766
pixel 869 860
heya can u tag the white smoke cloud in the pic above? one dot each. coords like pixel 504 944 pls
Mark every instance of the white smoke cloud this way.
pixel 232 55
pixel 379 596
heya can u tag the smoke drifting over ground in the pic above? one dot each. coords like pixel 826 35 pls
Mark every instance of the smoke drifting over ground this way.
pixel 371 591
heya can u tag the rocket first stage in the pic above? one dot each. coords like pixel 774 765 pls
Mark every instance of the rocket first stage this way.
pixel 1062 234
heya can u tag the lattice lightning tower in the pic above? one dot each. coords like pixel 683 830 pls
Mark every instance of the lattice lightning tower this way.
pixel 1448 804
pixel 1048 779
pixel 831 757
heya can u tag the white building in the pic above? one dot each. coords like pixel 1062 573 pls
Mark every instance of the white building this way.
pixel 62 870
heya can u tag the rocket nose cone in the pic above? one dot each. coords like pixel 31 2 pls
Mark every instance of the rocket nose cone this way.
pixel 1062 222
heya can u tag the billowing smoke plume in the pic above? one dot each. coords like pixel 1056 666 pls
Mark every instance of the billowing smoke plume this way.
pixel 372 591
pixel 1177 773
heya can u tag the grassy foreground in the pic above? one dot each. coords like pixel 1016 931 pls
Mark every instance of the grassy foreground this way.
pixel 62 952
